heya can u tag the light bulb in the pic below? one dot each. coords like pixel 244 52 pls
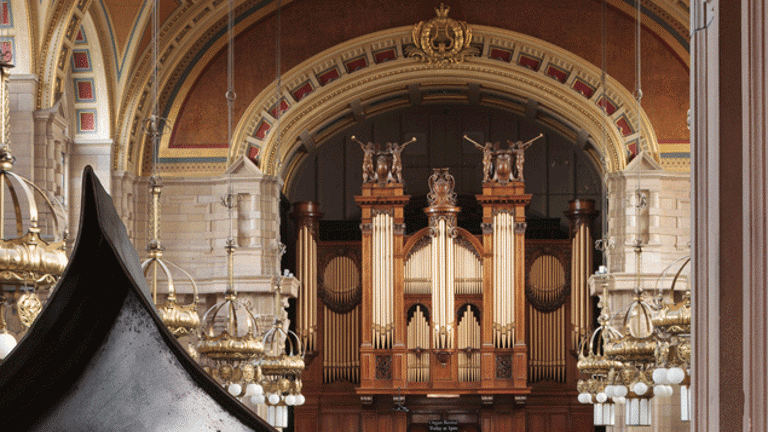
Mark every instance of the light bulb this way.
pixel 258 399
pixel 660 376
pixel 619 391
pixel 253 389
pixel 274 399
pixel 235 389
pixel 640 388
pixel 300 399
pixel 7 344
pixel 601 397
pixel 290 400
pixel 675 375
pixel 620 400
pixel 608 391
pixel 585 398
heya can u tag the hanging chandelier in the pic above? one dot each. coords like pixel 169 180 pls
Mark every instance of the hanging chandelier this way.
pixel 281 369
pixel 181 320
pixel 31 261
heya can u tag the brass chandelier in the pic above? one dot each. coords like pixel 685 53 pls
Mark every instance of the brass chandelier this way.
pixel 31 261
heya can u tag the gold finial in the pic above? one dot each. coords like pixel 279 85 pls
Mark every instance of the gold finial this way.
pixel 442 11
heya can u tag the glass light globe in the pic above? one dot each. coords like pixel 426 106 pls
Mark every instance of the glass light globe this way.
pixel 7 344
pixel 258 399
pixel 675 375
pixel 601 397
pixel 640 388
pixel 660 376
pixel 254 389
pixel 585 398
pixel 609 391
pixel 620 400
pixel 290 400
pixel 300 399
pixel 274 399
pixel 619 391
pixel 235 389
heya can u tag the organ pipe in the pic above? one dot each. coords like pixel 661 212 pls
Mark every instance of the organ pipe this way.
pixel 342 341
pixel 469 343
pixel 581 214
pixel 443 292
pixel 418 268
pixel 504 279
pixel 547 328
pixel 306 215
pixel 417 342
pixel 383 278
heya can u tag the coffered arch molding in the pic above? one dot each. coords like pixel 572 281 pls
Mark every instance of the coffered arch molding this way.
pixel 568 104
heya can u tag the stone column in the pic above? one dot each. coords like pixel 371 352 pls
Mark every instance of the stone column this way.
pixel 727 65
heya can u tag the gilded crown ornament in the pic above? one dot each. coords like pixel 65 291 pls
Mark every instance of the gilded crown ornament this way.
pixel 442 40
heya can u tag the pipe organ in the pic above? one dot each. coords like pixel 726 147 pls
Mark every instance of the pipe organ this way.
pixel 504 279
pixel 478 322
pixel 581 214
pixel 417 343
pixel 382 227
pixel 546 292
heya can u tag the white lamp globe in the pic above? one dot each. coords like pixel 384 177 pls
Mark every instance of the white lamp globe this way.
pixel 7 344
pixel 254 389
pixel 608 391
pixel 273 399
pixel 258 399
pixel 601 397
pixel 675 375
pixel 640 388
pixel 619 391
pixel 235 389
pixel 620 400
pixel 300 399
pixel 290 400
pixel 660 376
pixel 584 398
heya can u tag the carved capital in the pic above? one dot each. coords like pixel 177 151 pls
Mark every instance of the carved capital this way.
pixel 520 227
pixel 365 228
pixel 399 229
pixel 487 228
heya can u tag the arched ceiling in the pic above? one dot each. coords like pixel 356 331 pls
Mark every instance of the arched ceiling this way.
pixel 192 36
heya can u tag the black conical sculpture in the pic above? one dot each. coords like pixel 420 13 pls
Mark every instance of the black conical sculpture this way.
pixel 98 358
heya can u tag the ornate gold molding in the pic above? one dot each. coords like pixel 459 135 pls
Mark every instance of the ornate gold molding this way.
pixel 442 40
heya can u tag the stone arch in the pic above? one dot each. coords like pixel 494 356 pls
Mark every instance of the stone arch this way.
pixel 370 75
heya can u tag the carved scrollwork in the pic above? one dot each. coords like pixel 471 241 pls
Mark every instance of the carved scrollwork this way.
pixel 442 40
pixel 383 367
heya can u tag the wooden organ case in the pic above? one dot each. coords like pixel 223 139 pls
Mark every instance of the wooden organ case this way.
pixel 442 329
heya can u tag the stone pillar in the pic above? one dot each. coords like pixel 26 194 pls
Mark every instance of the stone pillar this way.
pixel 728 97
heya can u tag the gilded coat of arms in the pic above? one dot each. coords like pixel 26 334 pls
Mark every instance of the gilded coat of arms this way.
pixel 442 40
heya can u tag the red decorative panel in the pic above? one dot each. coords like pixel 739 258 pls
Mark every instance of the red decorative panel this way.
pixel 529 62
pixel 609 107
pixel 623 125
pixel 632 149
pixel 6 47
pixel 384 55
pixel 302 91
pixel 87 121
pixel 328 76
pixel 81 60
pixel 583 88
pixel 253 153
pixel 261 131
pixel 283 108
pixel 5 14
pixel 500 54
pixel 356 64
pixel 80 37
pixel 557 73
pixel 84 90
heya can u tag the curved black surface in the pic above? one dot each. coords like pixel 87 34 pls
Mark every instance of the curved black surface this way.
pixel 101 290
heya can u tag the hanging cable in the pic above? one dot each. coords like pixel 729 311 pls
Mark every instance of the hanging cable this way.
pixel 230 96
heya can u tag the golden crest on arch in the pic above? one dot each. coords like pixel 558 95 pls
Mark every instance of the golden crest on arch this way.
pixel 442 40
